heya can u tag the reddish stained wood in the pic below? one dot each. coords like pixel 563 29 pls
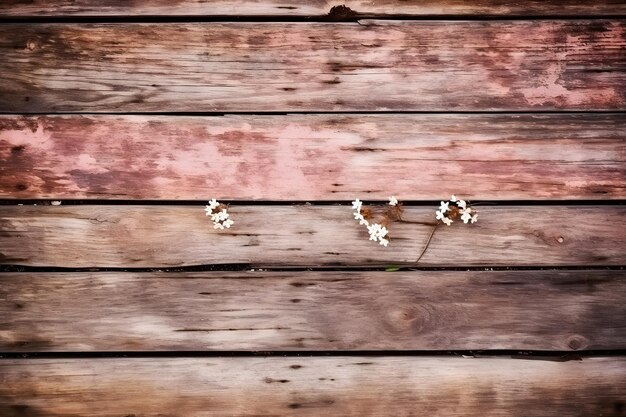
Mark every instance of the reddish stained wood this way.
pixel 370 65
pixel 308 8
pixel 170 236
pixel 263 311
pixel 314 157
pixel 328 386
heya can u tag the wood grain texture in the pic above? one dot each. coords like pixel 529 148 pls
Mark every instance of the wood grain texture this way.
pixel 308 8
pixel 323 311
pixel 337 386
pixel 314 157
pixel 171 236
pixel 370 65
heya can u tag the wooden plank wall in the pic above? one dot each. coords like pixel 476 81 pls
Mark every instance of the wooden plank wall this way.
pixel 120 120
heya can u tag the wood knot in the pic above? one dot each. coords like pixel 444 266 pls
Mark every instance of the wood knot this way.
pixel 31 45
pixel 404 318
pixel 577 342
pixel 341 13
pixel 272 380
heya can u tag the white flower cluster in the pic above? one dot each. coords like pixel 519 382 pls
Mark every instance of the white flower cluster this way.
pixel 468 214
pixel 221 218
pixel 378 233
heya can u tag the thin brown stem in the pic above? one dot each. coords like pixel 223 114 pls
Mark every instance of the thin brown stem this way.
pixel 427 242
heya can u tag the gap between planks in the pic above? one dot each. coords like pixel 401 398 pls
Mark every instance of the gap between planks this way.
pixel 530 355
pixel 268 9
pixel 348 18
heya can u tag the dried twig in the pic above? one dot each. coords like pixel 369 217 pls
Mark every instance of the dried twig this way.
pixel 428 242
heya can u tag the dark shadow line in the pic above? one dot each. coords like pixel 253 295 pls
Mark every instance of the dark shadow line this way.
pixel 352 17
pixel 556 112
pixel 312 203
pixel 550 355
pixel 245 267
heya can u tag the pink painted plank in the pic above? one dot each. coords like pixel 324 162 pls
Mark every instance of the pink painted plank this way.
pixel 162 236
pixel 372 65
pixel 308 8
pixel 314 157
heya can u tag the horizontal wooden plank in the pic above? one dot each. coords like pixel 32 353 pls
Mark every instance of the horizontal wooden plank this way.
pixel 334 386
pixel 170 236
pixel 309 8
pixel 314 157
pixel 371 65
pixel 263 311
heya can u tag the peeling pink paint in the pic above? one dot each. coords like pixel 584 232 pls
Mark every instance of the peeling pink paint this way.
pixel 313 157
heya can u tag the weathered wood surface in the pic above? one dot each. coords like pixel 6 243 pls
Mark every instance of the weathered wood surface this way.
pixel 314 157
pixel 170 236
pixel 338 386
pixel 371 65
pixel 308 8
pixel 324 311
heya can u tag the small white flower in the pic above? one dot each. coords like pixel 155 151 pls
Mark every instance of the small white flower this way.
pixel 447 221
pixel 219 216
pixel 475 218
pixel 221 219
pixel 444 206
pixel 372 229
pixel 466 217
pixel 462 204
pixel 222 215
pixel 440 215
pixel 213 204
pixel 377 232
pixel 453 198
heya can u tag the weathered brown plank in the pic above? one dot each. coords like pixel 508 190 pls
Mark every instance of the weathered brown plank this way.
pixel 371 65
pixel 168 236
pixel 315 157
pixel 309 8
pixel 337 386
pixel 432 310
